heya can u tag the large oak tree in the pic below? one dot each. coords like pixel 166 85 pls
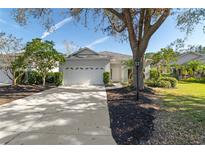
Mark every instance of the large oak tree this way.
pixel 137 25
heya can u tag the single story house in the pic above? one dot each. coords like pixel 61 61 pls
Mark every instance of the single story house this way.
pixel 87 67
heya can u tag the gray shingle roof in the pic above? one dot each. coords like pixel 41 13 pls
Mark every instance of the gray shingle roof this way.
pixel 187 57
pixel 86 53
pixel 115 55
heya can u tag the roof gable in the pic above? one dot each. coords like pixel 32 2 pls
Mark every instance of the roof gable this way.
pixel 86 53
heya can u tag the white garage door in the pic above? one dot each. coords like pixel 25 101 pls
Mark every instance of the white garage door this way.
pixel 87 73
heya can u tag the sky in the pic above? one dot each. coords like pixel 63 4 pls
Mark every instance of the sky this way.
pixel 66 29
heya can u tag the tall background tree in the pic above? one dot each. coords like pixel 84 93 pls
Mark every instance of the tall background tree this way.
pixel 13 63
pixel 163 59
pixel 135 25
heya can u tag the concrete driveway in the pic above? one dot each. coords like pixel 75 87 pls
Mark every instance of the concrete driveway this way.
pixel 64 115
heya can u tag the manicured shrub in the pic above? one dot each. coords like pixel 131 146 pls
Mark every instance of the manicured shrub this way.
pixel 163 84
pixel 159 83
pixel 55 78
pixel 50 78
pixel 194 80
pixel 106 77
pixel 154 74
pixel 58 78
pixel 34 78
pixel 172 80
pixel 151 83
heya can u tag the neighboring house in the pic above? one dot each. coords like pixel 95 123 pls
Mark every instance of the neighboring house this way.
pixel 87 66
pixel 186 58
pixel 189 56
pixel 3 77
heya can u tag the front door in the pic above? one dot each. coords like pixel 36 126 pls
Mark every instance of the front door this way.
pixel 116 73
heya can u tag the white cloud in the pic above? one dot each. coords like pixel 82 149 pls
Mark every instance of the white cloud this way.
pixel 98 41
pixel 56 26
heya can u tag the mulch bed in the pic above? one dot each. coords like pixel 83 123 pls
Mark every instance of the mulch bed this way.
pixel 10 93
pixel 131 120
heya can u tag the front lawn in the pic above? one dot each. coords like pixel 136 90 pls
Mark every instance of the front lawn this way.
pixel 182 116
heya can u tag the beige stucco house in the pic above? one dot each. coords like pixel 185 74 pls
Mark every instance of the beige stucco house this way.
pixel 87 66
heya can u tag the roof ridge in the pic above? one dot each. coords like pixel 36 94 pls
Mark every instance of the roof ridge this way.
pixel 114 53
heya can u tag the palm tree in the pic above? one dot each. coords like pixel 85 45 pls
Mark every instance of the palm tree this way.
pixel 193 67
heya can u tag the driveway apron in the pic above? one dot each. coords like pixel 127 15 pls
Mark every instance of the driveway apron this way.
pixel 63 115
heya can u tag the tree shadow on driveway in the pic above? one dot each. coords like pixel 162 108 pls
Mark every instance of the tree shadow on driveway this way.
pixel 57 116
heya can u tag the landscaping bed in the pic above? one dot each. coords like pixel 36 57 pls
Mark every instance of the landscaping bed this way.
pixel 162 116
pixel 131 120
pixel 9 93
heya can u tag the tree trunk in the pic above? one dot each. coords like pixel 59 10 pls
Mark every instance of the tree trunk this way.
pixel 14 79
pixel 44 80
pixel 140 74
pixel 14 82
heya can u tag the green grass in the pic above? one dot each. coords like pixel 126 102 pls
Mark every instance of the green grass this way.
pixel 183 110
pixel 189 98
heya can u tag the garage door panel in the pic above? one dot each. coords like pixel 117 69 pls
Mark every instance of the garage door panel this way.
pixel 84 72
pixel 83 77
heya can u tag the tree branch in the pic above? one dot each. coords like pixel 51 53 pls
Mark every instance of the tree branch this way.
pixel 130 28
pixel 119 29
pixel 116 13
pixel 141 21
pixel 158 23
pixel 147 21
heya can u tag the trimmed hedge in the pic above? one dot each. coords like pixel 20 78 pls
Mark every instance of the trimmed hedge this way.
pixel 58 78
pixel 34 77
pixel 106 77
pixel 154 74
pixel 159 83
pixel 164 84
pixel 172 80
